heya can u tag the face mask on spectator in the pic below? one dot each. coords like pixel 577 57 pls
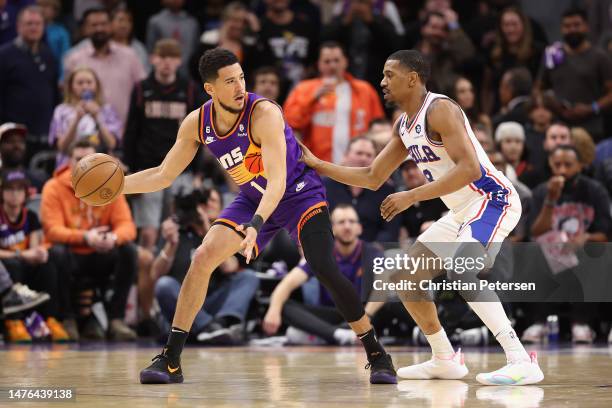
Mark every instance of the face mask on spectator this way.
pixel 575 39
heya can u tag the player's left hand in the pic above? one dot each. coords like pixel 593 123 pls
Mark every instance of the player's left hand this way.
pixel 395 204
pixel 248 243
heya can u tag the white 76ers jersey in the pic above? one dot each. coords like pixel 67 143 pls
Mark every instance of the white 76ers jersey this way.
pixel 433 160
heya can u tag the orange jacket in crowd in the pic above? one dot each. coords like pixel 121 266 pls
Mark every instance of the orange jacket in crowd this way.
pixel 66 219
pixel 315 119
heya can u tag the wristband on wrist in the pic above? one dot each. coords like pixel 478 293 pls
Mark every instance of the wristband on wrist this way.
pixel 550 203
pixel 256 222
pixel 596 108
pixel 17 253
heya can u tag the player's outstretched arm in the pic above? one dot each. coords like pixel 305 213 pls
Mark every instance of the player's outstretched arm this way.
pixel 445 119
pixel 371 177
pixel 179 156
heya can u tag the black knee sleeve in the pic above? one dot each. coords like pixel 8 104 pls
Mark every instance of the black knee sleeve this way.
pixel 318 243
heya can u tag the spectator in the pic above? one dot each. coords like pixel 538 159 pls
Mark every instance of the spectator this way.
pixel 232 35
pixel 386 8
pixel 28 79
pixel 13 154
pixel 557 134
pixel 420 215
pixel 117 66
pixel 521 231
pixel 514 47
pixel 330 110
pixel 510 139
pixel 515 88
pixel 369 38
pixel 540 118
pixel 579 76
pixel 122 27
pixel 56 34
pixel 322 319
pixel 24 255
pixel 447 47
pixel 159 105
pixel 94 245
pixel 266 82
pixel 576 206
pixel 288 41
pixel 361 153
pixel 84 115
pixel 380 131
pixel 483 135
pixel 463 93
pixel 14 299
pixel 585 146
pixel 9 10
pixel 174 22
pixel 231 288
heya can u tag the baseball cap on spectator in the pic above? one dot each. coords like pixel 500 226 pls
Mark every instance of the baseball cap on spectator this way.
pixel 9 127
pixel 14 177
pixel 167 47
pixel 509 129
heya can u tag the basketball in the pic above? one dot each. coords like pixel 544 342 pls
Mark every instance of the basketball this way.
pixel 253 162
pixel 97 179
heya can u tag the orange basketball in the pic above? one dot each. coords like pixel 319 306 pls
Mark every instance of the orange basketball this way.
pixel 97 179
pixel 253 162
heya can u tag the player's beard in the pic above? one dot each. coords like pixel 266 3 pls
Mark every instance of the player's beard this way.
pixel 230 109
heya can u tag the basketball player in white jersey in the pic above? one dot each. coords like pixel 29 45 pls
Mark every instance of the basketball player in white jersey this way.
pixel 484 208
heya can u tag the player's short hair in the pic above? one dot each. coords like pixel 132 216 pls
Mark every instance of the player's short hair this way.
pixel 575 11
pixel 565 148
pixel 414 61
pixel 94 10
pixel 213 60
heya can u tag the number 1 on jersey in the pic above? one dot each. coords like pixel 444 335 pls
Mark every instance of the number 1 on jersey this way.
pixel 257 187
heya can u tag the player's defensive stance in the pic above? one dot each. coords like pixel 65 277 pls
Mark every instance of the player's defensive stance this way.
pixel 249 137
pixel 484 208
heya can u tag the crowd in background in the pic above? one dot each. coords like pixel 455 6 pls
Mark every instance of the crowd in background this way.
pixel 118 77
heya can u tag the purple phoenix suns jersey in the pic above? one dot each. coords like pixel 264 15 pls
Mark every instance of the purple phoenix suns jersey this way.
pixel 232 148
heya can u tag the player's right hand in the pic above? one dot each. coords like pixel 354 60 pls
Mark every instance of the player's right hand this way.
pixel 271 323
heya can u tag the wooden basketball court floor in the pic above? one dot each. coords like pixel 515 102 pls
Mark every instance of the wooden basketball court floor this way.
pixel 107 376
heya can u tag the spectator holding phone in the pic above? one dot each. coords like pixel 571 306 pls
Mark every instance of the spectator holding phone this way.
pixel 84 115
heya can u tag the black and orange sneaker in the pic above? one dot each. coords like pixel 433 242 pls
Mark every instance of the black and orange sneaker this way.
pixel 382 370
pixel 162 371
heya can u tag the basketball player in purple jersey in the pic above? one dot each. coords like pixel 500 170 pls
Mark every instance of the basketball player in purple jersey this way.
pixel 251 140
pixel 483 209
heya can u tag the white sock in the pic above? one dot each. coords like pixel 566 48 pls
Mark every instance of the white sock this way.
pixel 494 317
pixel 440 345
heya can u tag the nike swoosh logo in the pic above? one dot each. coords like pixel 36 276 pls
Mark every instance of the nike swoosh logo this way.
pixel 172 370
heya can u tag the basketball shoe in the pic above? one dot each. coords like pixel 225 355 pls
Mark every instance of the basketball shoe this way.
pixel 514 373
pixel 452 368
pixel 162 371
pixel 382 370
